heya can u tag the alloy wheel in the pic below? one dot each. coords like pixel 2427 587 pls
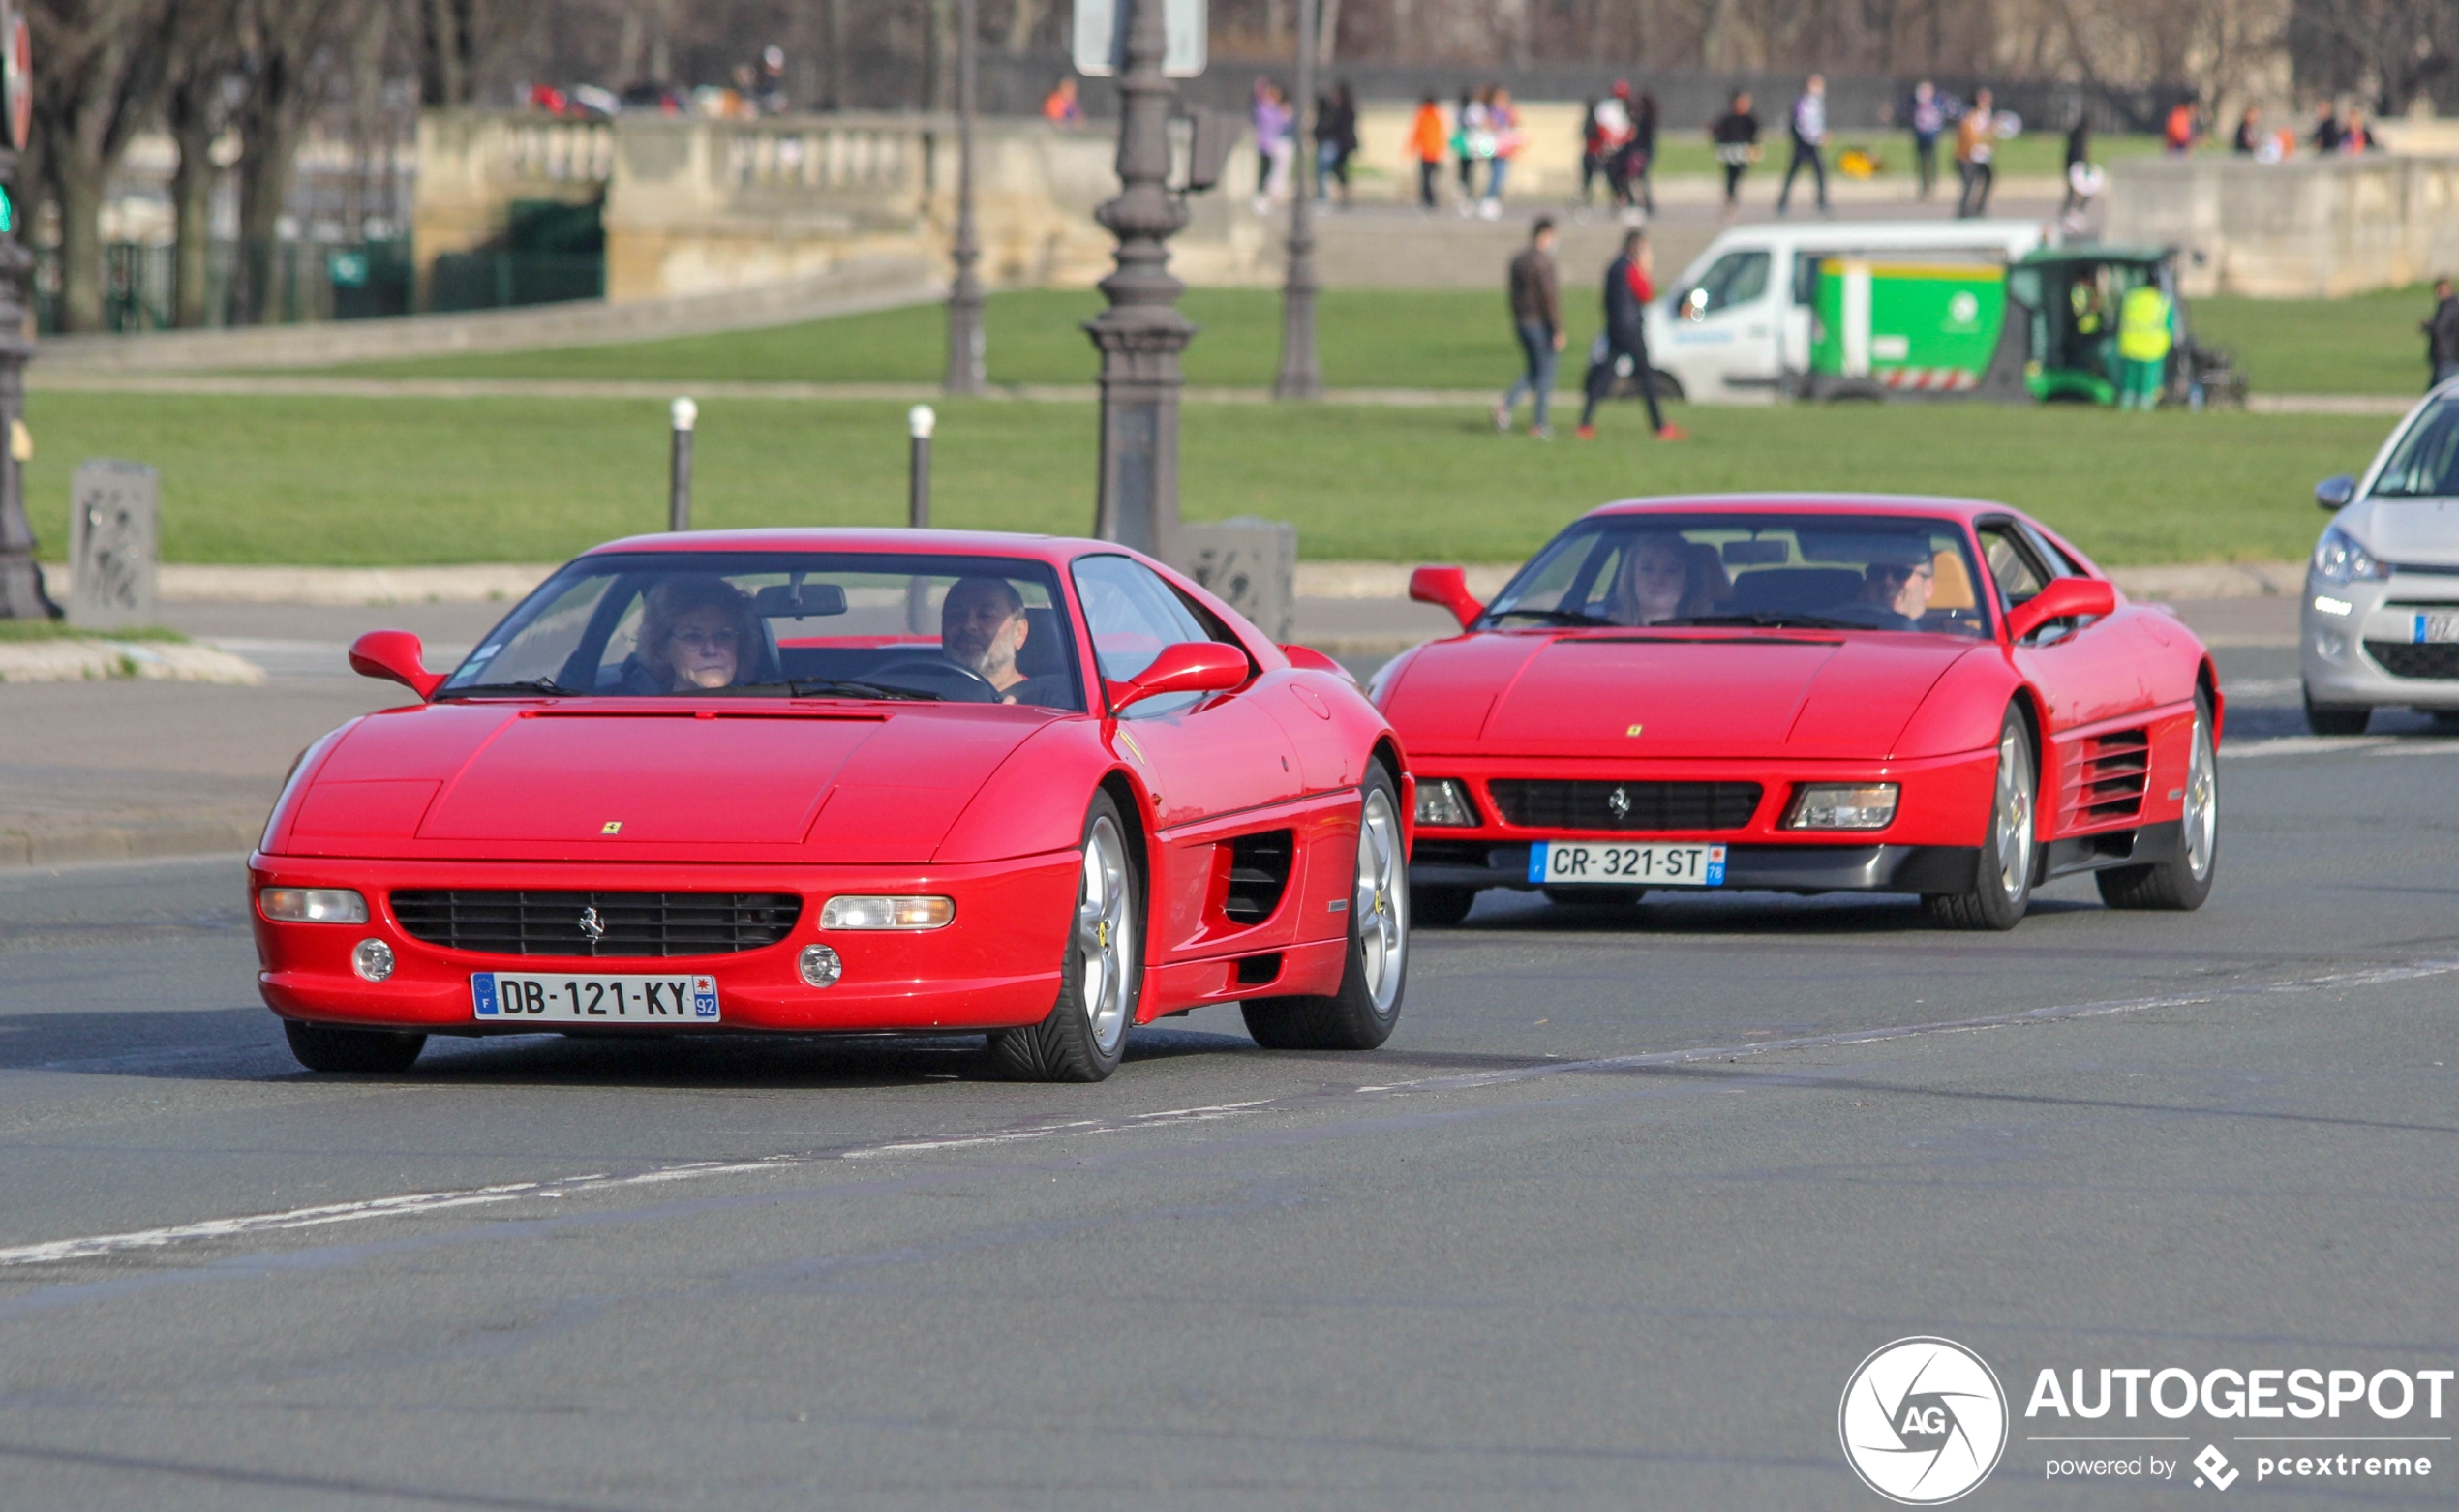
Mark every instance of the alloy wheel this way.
pixel 1105 939
pixel 1381 899
pixel 2203 800
pixel 2012 816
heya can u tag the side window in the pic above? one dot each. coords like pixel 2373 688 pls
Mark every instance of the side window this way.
pixel 2061 565
pixel 2013 565
pixel 1133 614
pixel 1738 278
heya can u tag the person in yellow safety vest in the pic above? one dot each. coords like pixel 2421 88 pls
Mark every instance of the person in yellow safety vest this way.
pixel 2143 319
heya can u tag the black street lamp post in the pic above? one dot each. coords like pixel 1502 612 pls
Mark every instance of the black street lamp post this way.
pixel 965 295
pixel 1143 332
pixel 21 594
pixel 1300 377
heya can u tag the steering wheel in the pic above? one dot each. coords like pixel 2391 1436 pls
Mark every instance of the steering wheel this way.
pixel 953 681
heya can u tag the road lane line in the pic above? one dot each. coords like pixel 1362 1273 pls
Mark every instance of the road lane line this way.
pixel 415 1204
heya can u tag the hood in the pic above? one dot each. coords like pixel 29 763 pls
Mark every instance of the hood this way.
pixel 2420 530
pixel 599 780
pixel 1710 694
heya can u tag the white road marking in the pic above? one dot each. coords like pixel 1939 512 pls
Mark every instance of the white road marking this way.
pixel 421 1203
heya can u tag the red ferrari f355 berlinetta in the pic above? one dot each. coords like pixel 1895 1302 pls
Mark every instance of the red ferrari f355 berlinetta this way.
pixel 1806 694
pixel 829 781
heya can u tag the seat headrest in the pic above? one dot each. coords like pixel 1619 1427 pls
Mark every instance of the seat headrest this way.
pixel 1044 653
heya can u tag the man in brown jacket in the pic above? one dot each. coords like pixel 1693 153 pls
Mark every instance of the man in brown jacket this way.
pixel 1537 313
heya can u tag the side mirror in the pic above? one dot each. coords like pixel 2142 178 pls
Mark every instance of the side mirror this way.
pixel 1446 588
pixel 2334 492
pixel 396 656
pixel 1188 667
pixel 2065 598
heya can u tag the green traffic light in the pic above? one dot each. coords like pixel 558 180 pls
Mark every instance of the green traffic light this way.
pixel 7 213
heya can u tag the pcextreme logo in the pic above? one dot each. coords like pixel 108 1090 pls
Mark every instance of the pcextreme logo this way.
pixel 1923 1420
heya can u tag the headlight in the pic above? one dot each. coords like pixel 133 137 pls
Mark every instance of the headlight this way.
pixel 313 905
pixel 2338 559
pixel 887 913
pixel 1827 805
pixel 1444 802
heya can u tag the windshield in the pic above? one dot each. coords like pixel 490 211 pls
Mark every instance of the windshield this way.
pixel 785 625
pixel 1854 572
pixel 2425 465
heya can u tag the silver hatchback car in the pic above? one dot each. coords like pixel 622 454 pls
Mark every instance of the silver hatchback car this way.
pixel 2380 618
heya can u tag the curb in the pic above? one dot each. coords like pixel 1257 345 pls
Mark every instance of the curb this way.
pixel 99 659
pixel 130 840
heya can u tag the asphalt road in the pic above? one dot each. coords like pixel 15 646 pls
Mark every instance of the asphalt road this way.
pixel 1609 1224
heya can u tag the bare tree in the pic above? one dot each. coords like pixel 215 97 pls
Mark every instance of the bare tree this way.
pixel 295 49
pixel 103 67
pixel 195 109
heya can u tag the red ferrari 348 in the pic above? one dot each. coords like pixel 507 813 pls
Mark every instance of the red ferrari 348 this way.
pixel 1805 694
pixel 830 781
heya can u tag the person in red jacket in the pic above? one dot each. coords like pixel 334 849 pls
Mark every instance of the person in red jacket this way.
pixel 1628 287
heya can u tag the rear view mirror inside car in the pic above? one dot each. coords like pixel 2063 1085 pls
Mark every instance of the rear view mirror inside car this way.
pixel 798 601
pixel 1755 554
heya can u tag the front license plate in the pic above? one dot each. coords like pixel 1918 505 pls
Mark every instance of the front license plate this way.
pixel 2435 627
pixel 553 998
pixel 1555 863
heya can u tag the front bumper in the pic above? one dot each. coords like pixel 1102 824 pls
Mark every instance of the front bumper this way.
pixel 2347 655
pixel 996 965
pixel 1932 845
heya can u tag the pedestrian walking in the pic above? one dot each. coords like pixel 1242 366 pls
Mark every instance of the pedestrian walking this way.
pixel 1335 140
pixel 1926 114
pixel 1614 132
pixel 1427 137
pixel 1629 285
pixel 1536 317
pixel 1060 107
pixel 1592 150
pixel 2248 138
pixel 2441 336
pixel 1639 157
pixel 2182 129
pixel 1276 143
pixel 2144 318
pixel 2355 136
pixel 1502 121
pixel 1976 154
pixel 1468 128
pixel 1736 139
pixel 2078 154
pixel 2327 127
pixel 1809 144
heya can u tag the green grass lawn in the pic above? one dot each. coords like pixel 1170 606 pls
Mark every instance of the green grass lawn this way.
pixel 363 481
pixel 1368 339
pixel 2036 154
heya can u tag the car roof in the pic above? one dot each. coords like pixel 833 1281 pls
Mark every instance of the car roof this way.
pixel 1921 506
pixel 1055 549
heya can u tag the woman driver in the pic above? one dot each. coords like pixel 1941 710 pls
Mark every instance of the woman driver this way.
pixel 695 633
pixel 1657 582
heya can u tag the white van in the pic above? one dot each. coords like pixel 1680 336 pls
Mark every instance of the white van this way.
pixel 1737 323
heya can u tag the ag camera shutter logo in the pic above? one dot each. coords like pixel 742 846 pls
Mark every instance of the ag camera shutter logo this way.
pixel 1923 1420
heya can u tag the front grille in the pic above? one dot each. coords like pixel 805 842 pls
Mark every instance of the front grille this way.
pixel 630 923
pixel 2110 777
pixel 2406 660
pixel 1534 805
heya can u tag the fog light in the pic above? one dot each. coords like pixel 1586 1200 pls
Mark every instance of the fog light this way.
pixel 313 905
pixel 1827 805
pixel 373 960
pixel 2329 646
pixel 886 913
pixel 1444 802
pixel 820 966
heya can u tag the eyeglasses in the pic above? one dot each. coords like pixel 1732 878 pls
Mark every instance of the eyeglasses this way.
pixel 1900 572
pixel 707 640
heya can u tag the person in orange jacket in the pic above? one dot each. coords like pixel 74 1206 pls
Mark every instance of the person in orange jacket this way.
pixel 1430 140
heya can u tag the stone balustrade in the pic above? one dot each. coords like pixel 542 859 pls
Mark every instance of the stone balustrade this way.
pixel 2304 228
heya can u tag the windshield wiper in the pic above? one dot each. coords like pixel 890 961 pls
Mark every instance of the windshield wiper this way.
pixel 815 687
pixel 1774 619
pixel 1552 617
pixel 533 687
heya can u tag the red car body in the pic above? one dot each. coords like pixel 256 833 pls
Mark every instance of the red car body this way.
pixel 2110 698
pixel 813 798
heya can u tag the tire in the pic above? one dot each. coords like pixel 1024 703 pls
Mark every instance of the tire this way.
pixel 2324 719
pixel 1101 974
pixel 1363 1013
pixel 2181 883
pixel 2002 884
pixel 327 1048
pixel 1590 897
pixel 1441 907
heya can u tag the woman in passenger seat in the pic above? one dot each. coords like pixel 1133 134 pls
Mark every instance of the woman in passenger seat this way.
pixel 695 633
pixel 1662 577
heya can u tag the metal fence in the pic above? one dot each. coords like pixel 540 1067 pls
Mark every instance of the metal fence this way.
pixel 310 282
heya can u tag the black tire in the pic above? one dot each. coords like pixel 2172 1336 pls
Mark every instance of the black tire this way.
pixel 2010 852
pixel 1363 1013
pixel 2181 883
pixel 2325 719
pixel 1592 897
pixel 328 1049
pixel 1101 975
pixel 1441 907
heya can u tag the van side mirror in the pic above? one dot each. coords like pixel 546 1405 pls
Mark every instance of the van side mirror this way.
pixel 395 656
pixel 1446 588
pixel 2334 492
pixel 2065 598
